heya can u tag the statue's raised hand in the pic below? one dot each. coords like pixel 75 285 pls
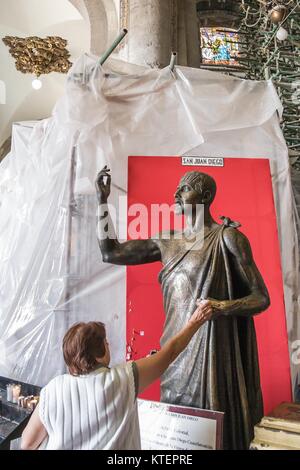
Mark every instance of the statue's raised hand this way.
pixel 102 184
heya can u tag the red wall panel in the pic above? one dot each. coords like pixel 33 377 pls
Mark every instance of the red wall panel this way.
pixel 244 193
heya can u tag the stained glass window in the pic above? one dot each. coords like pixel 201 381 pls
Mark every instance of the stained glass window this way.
pixel 219 47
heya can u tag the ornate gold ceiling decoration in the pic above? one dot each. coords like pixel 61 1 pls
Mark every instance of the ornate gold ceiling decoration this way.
pixel 39 55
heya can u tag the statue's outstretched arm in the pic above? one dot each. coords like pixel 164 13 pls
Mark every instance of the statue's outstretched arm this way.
pixel 127 253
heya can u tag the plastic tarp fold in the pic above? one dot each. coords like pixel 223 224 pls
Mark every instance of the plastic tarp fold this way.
pixel 52 274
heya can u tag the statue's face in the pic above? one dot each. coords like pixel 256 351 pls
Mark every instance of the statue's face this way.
pixel 185 195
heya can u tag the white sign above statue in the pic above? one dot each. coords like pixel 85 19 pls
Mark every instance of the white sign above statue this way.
pixel 202 161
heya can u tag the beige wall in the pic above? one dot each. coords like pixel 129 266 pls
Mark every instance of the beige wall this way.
pixel 89 26
pixel 41 18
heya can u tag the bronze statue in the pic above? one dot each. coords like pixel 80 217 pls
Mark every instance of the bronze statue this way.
pixel 219 370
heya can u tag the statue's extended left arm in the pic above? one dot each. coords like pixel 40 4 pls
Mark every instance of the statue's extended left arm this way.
pixel 128 253
pixel 258 298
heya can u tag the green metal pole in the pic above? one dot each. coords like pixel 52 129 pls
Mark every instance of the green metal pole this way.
pixel 112 47
pixel 173 60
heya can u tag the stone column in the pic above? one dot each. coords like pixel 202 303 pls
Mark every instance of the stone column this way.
pixel 192 33
pixel 156 28
pixel 149 38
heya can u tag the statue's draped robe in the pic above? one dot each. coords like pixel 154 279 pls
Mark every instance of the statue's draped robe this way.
pixel 219 369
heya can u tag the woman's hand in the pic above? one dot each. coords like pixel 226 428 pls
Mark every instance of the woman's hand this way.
pixel 203 312
pixel 216 306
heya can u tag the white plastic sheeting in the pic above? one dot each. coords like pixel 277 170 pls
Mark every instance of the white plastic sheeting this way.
pixel 51 270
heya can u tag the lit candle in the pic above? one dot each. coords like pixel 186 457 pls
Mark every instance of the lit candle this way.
pixel 21 401
pixel 27 401
pixel 16 390
pixel 9 394
pixel 32 404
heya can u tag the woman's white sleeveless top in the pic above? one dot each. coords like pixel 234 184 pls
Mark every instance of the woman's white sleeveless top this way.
pixel 95 411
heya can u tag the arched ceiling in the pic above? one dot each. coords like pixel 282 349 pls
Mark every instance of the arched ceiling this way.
pixel 31 16
pixel 103 18
pixel 88 26
pixel 35 18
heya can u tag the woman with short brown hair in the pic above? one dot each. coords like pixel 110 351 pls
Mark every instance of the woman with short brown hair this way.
pixel 82 343
pixel 94 406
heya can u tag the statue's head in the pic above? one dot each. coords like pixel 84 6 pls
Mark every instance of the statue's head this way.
pixel 195 188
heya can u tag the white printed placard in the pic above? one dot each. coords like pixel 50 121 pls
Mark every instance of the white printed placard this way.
pixel 202 161
pixel 172 427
